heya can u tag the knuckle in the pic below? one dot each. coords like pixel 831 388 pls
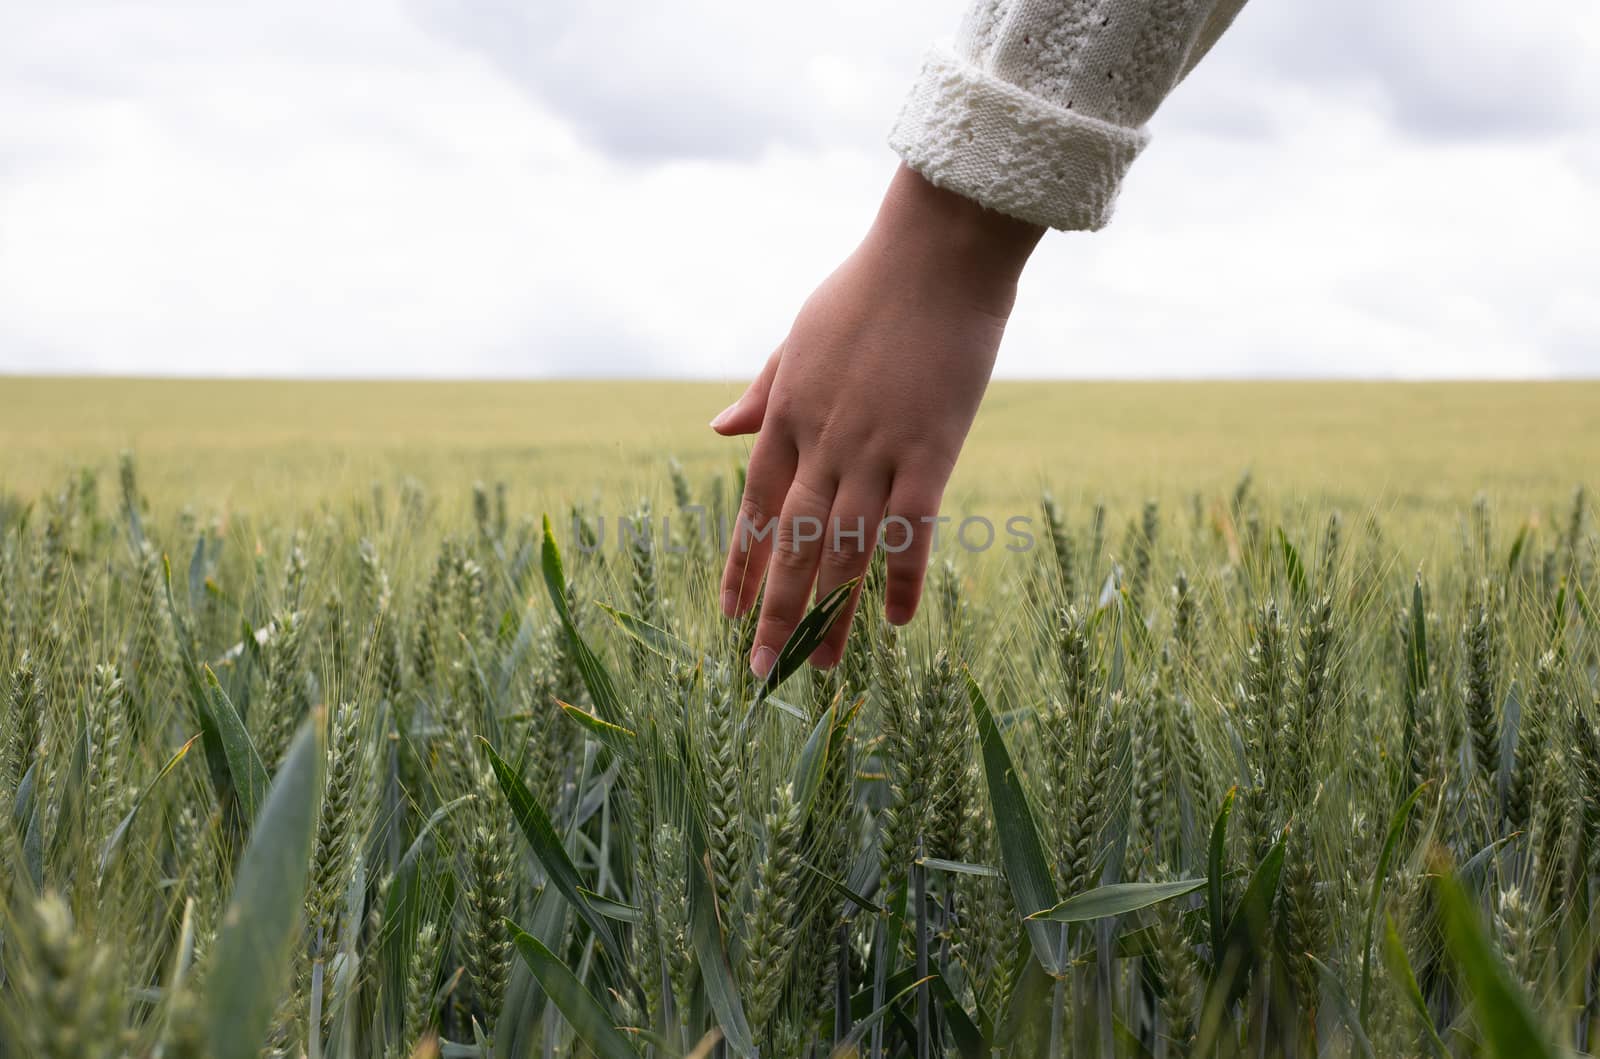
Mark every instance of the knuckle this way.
pixel 910 547
pixel 837 435
pixel 755 525
pixel 775 627
pixel 734 575
pixel 806 498
pixel 799 536
pixel 905 574
pixel 916 494
pixel 753 509
pixel 917 511
pixel 791 559
pixel 781 411
pixel 844 560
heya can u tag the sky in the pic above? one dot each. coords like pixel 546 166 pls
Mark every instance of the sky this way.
pixel 554 188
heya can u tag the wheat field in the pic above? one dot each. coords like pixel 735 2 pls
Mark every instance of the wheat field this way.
pixel 1396 447
pixel 372 720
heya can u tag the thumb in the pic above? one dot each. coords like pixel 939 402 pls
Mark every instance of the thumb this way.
pixel 744 416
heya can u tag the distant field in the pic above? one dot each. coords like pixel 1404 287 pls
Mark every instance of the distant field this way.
pixel 1407 449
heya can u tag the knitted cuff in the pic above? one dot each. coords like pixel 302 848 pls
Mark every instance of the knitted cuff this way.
pixel 972 133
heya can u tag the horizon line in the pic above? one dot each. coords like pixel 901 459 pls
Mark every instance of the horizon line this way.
pixel 706 380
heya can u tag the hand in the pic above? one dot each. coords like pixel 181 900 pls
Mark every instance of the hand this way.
pixel 862 410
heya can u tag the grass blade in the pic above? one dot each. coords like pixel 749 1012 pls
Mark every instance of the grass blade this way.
pixel 807 637
pixel 70 809
pixel 1397 827
pixel 1417 648
pixel 1020 849
pixel 403 911
pixel 577 1005
pixel 1116 899
pixel 712 957
pixel 613 736
pixel 843 890
pixel 1333 988
pixel 1504 1014
pixel 197 573
pixel 211 737
pixel 535 825
pixel 1517 545
pixel 1293 567
pixel 959 867
pixel 851 1045
pixel 1251 924
pixel 655 639
pixel 26 817
pixel 1474 871
pixel 1510 733
pixel 969 1040
pixel 1217 850
pixel 613 909
pixel 114 840
pixel 829 730
pixel 595 677
pixel 250 963
pixel 1394 953
pixel 250 777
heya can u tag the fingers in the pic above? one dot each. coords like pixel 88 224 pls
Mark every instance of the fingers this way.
pixel 796 550
pixel 745 415
pixel 823 539
pixel 852 533
pixel 908 532
pixel 772 466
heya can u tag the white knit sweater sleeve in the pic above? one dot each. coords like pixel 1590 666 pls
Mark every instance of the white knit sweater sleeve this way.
pixel 1041 106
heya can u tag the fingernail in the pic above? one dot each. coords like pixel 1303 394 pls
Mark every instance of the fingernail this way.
pixel 723 416
pixel 730 602
pixel 762 661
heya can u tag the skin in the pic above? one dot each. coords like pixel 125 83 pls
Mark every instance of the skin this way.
pixel 861 412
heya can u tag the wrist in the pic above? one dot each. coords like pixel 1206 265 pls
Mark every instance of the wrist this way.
pixel 931 223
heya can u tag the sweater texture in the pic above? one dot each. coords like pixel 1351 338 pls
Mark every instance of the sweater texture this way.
pixel 1040 107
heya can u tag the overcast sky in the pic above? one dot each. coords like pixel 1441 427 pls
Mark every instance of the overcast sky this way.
pixel 652 187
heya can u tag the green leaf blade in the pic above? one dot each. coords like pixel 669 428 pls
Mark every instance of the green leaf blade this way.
pixel 1396 829
pixel 251 962
pixel 250 777
pixel 595 676
pixel 552 855
pixel 711 955
pixel 576 1004
pixel 1394 953
pixel 1117 899
pixel 1021 851
pixel 808 636
pixel 1504 1012
pixel 1215 854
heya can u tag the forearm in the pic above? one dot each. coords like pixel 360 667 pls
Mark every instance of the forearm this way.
pixel 976 252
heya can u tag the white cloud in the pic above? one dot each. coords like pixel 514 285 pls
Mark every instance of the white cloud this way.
pixel 1443 68
pixel 427 187
pixel 703 79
